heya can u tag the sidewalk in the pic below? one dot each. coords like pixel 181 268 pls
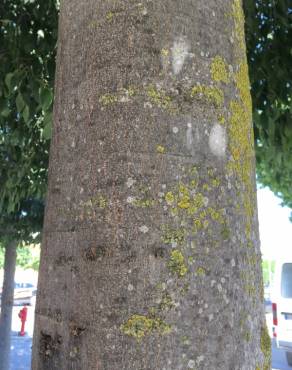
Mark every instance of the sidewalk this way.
pixel 20 354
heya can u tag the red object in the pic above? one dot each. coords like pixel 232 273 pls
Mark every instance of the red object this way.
pixel 275 317
pixel 22 315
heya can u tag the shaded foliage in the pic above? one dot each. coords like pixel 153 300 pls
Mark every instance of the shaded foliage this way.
pixel 269 46
pixel 28 33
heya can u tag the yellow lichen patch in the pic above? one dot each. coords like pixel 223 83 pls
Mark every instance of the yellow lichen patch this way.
pixel 98 201
pixel 201 271
pixel 138 326
pixel 216 215
pixel 211 94
pixel 143 203
pixel 219 70
pixel 177 263
pixel 164 52
pixel 108 99
pixel 221 119
pixel 169 198
pixel 243 85
pixel 109 16
pixel 241 147
pixel 184 202
pixel 198 224
pixel 171 235
pixel 215 182
pixel 159 98
pixel 166 302
pixel 238 16
pixel 160 149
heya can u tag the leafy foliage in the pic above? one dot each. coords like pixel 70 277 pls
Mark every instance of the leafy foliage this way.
pixel 28 33
pixel 269 46
pixel 27 257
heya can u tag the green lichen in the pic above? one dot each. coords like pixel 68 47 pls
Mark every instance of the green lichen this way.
pixel 139 326
pixel 131 91
pixel 201 271
pixel 171 235
pixel 109 16
pixel 169 198
pixel 266 347
pixel 216 215
pixel 159 98
pixel 143 203
pixel 177 263
pixel 221 119
pixel 247 336
pixel 166 303
pixel 211 94
pixel 108 99
pixel 198 225
pixel 219 70
pixel 215 182
pixel 225 233
pixel 206 187
pixel 98 201
pixel 250 290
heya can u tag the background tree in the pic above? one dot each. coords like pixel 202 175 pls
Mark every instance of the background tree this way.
pixel 27 52
pixel 151 228
pixel 269 45
pixel 22 227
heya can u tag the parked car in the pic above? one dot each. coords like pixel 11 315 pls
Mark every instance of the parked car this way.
pixel 282 307
pixel 24 293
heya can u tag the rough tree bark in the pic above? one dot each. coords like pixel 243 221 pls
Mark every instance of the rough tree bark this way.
pixel 150 256
pixel 7 303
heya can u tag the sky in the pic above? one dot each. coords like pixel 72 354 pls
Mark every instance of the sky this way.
pixel 275 227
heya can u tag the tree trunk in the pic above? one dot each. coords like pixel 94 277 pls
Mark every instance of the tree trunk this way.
pixel 150 256
pixel 7 303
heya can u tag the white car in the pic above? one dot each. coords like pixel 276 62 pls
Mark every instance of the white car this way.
pixel 24 293
pixel 282 307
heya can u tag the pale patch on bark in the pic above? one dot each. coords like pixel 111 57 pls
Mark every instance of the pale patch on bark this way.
pixel 190 138
pixel 179 53
pixel 144 229
pixel 218 140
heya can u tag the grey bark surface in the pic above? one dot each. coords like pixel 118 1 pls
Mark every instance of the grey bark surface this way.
pixel 7 303
pixel 150 256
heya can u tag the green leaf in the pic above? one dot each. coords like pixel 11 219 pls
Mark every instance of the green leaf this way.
pixel 25 114
pixel 46 98
pixel 8 79
pixel 47 131
pixel 20 104
pixel 5 111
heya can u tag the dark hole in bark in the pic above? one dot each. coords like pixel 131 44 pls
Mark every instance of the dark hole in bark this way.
pixel 93 253
pixel 56 190
pixel 63 260
pixel 49 345
pixel 75 330
pixel 120 300
pixel 159 252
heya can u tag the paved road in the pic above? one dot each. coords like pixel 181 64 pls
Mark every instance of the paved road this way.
pixel 20 355
pixel 21 346
pixel 279 361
